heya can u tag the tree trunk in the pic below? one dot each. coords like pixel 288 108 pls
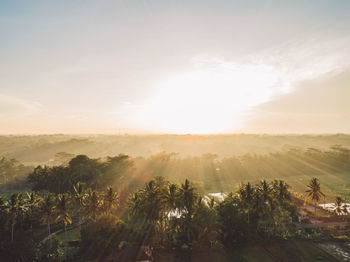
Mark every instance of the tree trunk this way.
pixel 315 208
pixel 12 230
pixel 31 230
pixel 248 217
pixel 65 236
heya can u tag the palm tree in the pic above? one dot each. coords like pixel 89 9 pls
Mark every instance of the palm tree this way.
pixel 16 206
pixel 134 203
pixel 48 210
pixel 62 211
pixel 340 206
pixel 92 205
pixel 171 209
pixel 246 196
pixel 153 207
pixel 281 190
pixel 110 200
pixel 188 197
pixel 264 191
pixel 79 195
pixel 32 203
pixel 314 191
pixel 3 211
pixel 171 197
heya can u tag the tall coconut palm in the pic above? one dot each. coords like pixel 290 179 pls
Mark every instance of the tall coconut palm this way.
pixel 79 194
pixel 171 197
pixel 134 203
pixel 48 210
pixel 62 211
pixel 16 207
pixel 170 209
pixel 314 191
pixel 32 203
pixel 188 198
pixel 110 200
pixel 152 200
pixel 144 207
pixel 280 190
pixel 264 191
pixel 246 196
pixel 92 205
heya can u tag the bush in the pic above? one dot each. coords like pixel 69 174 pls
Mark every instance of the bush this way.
pixel 100 238
pixel 50 250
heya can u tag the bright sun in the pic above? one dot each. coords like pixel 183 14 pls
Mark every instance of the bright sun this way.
pixel 210 99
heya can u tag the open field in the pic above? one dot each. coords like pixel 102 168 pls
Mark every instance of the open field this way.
pixel 71 235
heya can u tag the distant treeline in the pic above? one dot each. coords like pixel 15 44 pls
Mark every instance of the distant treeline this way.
pixel 42 149
pixel 13 174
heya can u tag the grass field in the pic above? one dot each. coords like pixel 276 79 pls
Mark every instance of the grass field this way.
pixel 332 185
pixel 72 235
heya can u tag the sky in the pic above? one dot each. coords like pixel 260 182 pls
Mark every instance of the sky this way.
pixel 183 67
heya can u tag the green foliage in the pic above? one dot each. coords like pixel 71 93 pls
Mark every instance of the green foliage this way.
pixel 50 250
pixel 262 211
pixel 100 238
pixel 13 174
pixel 47 208
pixel 80 169
pixel 170 215
pixel 234 228
pixel 62 212
pixel 110 200
pixel 17 215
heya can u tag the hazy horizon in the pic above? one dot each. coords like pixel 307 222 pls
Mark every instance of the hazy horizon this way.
pixel 184 67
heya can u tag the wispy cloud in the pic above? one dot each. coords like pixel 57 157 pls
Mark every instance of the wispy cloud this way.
pixel 10 105
pixel 307 59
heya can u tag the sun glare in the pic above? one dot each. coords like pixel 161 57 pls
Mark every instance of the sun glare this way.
pixel 211 99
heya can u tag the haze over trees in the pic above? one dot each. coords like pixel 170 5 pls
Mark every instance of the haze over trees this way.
pixel 166 200
pixel 59 149
pixel 212 173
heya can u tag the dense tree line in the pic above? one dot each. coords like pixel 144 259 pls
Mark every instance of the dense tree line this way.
pixel 162 214
pixel 175 214
pixel 24 217
pixel 93 172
